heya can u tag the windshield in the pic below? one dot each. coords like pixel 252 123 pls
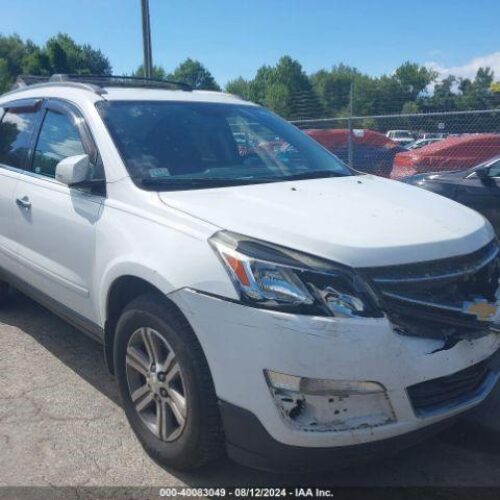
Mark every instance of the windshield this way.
pixel 185 145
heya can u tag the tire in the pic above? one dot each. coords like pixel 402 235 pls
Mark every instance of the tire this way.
pixel 4 291
pixel 150 323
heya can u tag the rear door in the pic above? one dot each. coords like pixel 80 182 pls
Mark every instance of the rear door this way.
pixel 56 224
pixel 19 120
pixel 483 195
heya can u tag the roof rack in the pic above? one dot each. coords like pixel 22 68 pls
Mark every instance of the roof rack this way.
pixel 96 83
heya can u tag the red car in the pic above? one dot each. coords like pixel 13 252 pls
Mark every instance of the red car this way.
pixel 372 152
pixel 453 153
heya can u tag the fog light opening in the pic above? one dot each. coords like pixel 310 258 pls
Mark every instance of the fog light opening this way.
pixel 329 405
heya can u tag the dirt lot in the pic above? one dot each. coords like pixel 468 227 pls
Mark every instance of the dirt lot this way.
pixel 61 425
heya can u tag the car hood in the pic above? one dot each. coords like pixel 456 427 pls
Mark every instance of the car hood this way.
pixel 360 221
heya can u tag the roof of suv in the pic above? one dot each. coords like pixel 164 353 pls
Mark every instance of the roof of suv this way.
pixel 80 93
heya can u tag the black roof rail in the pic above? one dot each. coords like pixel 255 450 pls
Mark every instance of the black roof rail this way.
pixel 25 81
pixel 107 81
pixel 95 83
pixel 122 81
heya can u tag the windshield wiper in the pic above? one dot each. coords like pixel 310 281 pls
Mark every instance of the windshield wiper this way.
pixel 196 183
pixel 313 174
pixel 173 184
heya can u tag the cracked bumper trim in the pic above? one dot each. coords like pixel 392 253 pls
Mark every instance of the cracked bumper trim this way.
pixel 249 444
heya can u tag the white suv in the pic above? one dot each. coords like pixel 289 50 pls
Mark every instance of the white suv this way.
pixel 251 292
pixel 402 137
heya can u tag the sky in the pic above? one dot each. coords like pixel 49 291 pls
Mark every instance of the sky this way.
pixel 235 37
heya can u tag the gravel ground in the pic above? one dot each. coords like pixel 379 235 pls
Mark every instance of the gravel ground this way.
pixel 61 424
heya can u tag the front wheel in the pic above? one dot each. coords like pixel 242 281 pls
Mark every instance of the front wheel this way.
pixel 165 384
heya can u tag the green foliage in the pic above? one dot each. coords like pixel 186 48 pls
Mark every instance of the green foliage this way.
pixel 285 88
pixel 195 74
pixel 189 71
pixel 61 54
pixel 66 56
pixel 239 87
pixel 277 97
pixel 334 87
pixel 413 79
pixel 410 108
pixel 411 89
pixel 4 74
pixel 158 72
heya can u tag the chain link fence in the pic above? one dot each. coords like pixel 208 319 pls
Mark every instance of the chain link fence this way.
pixel 398 145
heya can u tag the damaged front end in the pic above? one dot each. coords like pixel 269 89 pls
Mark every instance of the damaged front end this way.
pixel 322 405
pixel 450 299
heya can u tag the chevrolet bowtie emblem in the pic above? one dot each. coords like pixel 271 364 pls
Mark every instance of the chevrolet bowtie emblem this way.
pixel 484 311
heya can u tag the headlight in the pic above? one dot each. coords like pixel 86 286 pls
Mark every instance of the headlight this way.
pixel 270 276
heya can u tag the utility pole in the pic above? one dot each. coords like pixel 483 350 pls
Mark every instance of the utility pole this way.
pixel 146 40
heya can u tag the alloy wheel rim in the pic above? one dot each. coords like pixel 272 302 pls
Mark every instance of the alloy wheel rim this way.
pixel 156 384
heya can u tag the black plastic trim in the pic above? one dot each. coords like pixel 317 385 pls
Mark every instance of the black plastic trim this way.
pixel 77 320
pixel 249 444
pixel 23 105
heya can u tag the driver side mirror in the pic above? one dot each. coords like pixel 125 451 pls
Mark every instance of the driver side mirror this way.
pixel 73 170
pixel 482 173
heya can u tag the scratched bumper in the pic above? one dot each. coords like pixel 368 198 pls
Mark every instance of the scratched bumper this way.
pixel 241 342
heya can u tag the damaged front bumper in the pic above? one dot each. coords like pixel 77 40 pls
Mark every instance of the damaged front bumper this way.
pixel 451 299
pixel 244 345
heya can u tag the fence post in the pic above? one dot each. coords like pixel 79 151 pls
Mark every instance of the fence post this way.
pixel 349 127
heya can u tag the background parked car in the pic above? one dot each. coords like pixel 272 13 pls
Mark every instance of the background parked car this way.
pixel 433 135
pixel 450 154
pixel 372 151
pixel 402 137
pixel 478 188
pixel 420 143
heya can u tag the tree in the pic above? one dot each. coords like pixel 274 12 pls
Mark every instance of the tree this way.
pixel 371 95
pixel 414 79
pixel 285 88
pixel 302 101
pixel 195 74
pixel 239 87
pixel 66 56
pixel 454 93
pixel 61 54
pixel 12 51
pixel 158 72
pixel 410 108
pixel 58 57
pixel 36 63
pixel 277 98
pixel 334 87
pixel 4 75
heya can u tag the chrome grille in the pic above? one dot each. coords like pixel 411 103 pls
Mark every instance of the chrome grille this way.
pixel 427 298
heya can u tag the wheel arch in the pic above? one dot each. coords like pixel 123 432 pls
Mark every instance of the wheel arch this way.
pixel 121 292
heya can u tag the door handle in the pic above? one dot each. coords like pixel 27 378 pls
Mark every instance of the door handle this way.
pixel 23 202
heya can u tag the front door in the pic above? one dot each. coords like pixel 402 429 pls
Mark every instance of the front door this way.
pixel 56 224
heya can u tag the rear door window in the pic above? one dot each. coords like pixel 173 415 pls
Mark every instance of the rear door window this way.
pixel 16 130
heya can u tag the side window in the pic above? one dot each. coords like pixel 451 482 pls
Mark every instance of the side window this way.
pixel 15 136
pixel 57 140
